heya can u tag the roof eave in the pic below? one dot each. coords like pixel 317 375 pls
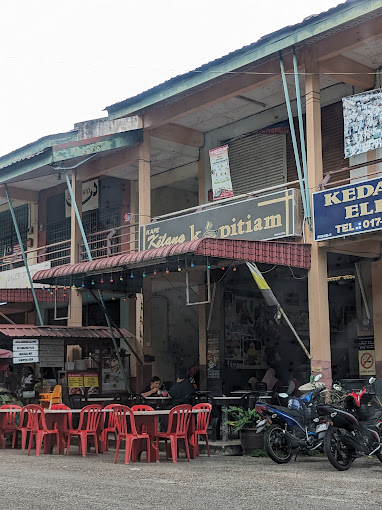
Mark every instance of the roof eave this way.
pixel 264 48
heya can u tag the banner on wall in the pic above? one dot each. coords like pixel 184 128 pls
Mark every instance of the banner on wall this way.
pixel 220 173
pixel 90 193
pixel 362 122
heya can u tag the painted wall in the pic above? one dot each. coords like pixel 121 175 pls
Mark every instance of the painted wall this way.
pixel 168 199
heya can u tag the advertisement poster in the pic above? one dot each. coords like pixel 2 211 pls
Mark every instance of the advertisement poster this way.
pixel 362 122
pixel 89 197
pixel 75 383
pixel 220 173
pixel 241 348
pixel 112 378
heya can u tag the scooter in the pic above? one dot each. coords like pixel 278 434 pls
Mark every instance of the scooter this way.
pixel 355 430
pixel 295 426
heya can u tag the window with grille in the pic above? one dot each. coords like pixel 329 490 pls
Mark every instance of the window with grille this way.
pixel 8 235
pixel 257 161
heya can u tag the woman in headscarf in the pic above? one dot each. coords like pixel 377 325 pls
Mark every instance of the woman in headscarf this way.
pixel 270 379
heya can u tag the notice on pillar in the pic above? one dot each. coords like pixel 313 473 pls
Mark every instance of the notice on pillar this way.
pixel 366 360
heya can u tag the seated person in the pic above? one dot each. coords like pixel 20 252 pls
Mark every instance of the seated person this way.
pixel 271 380
pixel 252 383
pixel 181 389
pixel 152 390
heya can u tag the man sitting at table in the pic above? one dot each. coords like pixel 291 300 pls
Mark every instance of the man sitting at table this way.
pixel 152 390
pixel 181 389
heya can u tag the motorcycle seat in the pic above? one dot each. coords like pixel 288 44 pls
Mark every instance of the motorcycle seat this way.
pixel 291 412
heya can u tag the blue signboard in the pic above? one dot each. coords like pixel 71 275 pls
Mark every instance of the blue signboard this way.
pixel 348 210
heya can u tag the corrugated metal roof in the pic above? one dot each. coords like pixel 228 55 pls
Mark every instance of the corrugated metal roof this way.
pixel 30 331
pixel 279 35
pixel 25 296
pixel 267 252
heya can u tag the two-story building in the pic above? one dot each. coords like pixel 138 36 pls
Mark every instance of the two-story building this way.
pixel 169 260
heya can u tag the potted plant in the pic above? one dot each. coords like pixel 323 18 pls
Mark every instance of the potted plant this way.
pixel 244 421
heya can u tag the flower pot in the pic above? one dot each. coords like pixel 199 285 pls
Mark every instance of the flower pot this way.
pixel 251 440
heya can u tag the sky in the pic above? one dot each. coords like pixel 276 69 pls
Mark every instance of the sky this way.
pixel 63 62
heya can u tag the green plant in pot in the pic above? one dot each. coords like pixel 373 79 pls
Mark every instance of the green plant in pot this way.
pixel 244 421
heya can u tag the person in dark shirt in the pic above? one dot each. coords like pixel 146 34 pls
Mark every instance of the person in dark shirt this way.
pixel 12 381
pixel 152 390
pixel 181 389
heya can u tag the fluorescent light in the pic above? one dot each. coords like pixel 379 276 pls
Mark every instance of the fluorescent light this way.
pixel 3 303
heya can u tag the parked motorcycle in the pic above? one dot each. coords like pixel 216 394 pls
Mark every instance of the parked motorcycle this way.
pixel 295 426
pixel 355 430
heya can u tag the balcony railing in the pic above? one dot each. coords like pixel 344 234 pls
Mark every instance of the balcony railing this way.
pixel 122 239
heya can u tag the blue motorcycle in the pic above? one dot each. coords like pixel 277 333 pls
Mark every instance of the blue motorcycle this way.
pixel 295 426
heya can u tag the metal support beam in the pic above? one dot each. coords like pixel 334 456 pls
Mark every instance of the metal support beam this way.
pixel 302 138
pixel 23 255
pixel 293 134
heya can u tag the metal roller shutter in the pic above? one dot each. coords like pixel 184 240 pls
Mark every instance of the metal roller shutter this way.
pixel 257 161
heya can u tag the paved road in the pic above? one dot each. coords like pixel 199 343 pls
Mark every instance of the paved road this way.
pixel 70 483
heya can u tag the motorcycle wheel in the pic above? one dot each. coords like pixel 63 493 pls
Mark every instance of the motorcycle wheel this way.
pixel 338 453
pixel 277 445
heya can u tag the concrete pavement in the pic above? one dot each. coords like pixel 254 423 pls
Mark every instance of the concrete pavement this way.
pixel 53 482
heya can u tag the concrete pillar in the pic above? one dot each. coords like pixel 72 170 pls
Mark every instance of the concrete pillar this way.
pixel 201 177
pixel 143 305
pixel 202 339
pixel 317 279
pixel 376 277
pixel 75 239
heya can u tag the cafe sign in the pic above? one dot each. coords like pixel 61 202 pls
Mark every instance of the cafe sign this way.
pixel 348 210
pixel 261 218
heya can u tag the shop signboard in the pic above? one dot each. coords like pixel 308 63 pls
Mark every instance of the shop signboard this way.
pixel 90 194
pixel 220 173
pixel 348 210
pixel 18 278
pixel 25 351
pixel 52 352
pixel 260 218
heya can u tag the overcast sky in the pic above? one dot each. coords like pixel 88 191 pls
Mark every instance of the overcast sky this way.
pixel 64 61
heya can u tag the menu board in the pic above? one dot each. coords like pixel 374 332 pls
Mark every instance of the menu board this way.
pixel 78 381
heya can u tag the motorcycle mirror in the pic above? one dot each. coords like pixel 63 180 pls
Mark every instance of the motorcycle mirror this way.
pixel 283 395
pixel 318 377
pixel 337 387
pixel 372 380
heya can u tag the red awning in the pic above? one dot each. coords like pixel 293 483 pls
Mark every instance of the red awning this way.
pixel 267 252
pixel 30 331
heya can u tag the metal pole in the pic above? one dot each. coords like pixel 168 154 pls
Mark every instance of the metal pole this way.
pixel 293 134
pixel 74 205
pixel 295 333
pixel 302 137
pixel 127 385
pixel 23 255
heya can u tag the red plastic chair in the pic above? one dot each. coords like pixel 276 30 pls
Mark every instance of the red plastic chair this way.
pixel 178 422
pixel 38 428
pixel 63 407
pixel 9 424
pixel 142 407
pixel 111 426
pixel 202 422
pixel 23 428
pixel 126 429
pixel 87 427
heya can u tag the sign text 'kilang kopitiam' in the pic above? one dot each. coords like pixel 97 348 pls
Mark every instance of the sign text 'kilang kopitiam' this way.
pixel 259 218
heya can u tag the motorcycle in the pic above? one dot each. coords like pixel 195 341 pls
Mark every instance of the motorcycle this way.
pixel 355 430
pixel 295 426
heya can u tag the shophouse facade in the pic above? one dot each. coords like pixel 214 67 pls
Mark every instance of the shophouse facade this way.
pixel 142 178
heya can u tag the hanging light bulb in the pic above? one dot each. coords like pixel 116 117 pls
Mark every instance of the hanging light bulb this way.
pixel 121 278
pixel 65 287
pixel 155 272
pixel 125 298
pixel 113 298
pixel 144 274
pixel 64 294
pixel 167 270
pixel 111 279
pixel 93 282
pixel 83 284
pixel 223 268
pixel 132 275
pixel 101 279
pixel 179 268
pixel 73 286
pixel 234 268
pixel 43 287
pixel 208 266
pixel 192 263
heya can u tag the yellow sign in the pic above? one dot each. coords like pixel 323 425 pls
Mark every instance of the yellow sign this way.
pixel 91 381
pixel 75 381
pixel 366 361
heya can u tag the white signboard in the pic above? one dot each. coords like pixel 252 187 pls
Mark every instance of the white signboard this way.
pixel 220 173
pixel 25 351
pixel 18 278
pixel 90 192
pixel 362 122
pixel 52 352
